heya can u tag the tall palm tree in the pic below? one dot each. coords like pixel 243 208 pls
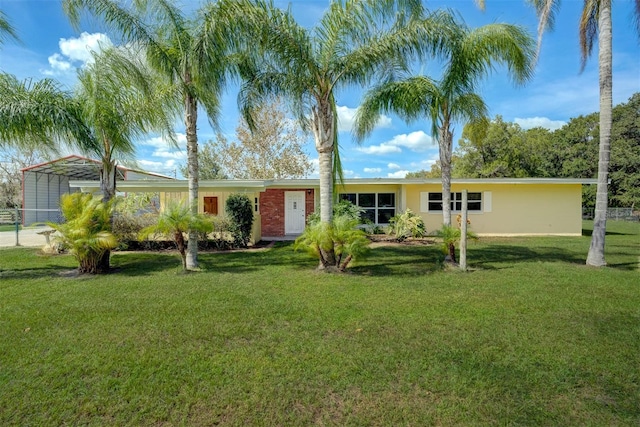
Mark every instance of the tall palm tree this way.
pixel 190 53
pixel 119 95
pixel 114 104
pixel 355 41
pixel 470 56
pixel 595 22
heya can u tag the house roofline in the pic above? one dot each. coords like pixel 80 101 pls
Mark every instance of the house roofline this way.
pixel 260 185
pixel 70 157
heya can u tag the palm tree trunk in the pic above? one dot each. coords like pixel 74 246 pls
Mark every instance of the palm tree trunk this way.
pixel 323 131
pixel 445 147
pixel 108 188
pixel 191 118
pixel 595 257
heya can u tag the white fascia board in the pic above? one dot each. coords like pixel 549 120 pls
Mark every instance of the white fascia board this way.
pixel 510 181
pixel 261 185
pixel 175 185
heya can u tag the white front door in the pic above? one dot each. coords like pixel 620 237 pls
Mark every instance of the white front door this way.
pixel 294 212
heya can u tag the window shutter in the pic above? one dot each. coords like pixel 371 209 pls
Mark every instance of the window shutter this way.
pixel 424 202
pixel 486 202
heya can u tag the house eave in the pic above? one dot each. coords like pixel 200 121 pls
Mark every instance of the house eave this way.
pixel 261 185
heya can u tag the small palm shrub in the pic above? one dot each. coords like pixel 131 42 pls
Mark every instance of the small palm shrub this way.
pixel 405 225
pixel 239 209
pixel 86 231
pixel 347 240
pixel 176 220
pixel 450 236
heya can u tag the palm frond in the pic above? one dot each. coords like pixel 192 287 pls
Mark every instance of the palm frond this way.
pixel 40 114
pixel 6 29
pixel 588 29
pixel 411 99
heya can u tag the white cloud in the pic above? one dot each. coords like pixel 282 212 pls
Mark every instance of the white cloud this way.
pixel 163 144
pixel 167 168
pixel 75 52
pixel 80 48
pixel 398 174
pixel 543 122
pixel 393 166
pixel 372 170
pixel 163 157
pixel 415 141
pixel 315 168
pixel 58 64
pixel 347 115
pixel 384 148
pixel 427 163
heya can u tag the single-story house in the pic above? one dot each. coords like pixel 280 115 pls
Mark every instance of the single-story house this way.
pixel 44 183
pixel 501 206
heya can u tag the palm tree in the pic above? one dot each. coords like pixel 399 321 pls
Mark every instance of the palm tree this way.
pixel 354 42
pixel 175 220
pixel 86 230
pixel 192 53
pixel 471 55
pixel 119 95
pixel 595 22
pixel 114 104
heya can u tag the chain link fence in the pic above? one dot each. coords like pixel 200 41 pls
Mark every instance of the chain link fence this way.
pixel 616 214
pixel 14 233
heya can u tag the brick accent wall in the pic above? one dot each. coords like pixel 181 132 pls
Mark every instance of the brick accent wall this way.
pixel 272 209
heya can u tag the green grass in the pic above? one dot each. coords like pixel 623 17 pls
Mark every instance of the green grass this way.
pixel 530 336
pixel 9 227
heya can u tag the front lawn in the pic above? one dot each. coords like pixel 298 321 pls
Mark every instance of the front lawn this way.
pixel 530 336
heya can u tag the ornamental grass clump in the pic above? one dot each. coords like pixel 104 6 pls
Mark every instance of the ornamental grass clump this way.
pixel 406 225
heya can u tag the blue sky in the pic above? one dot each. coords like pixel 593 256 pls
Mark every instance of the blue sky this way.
pixel 557 92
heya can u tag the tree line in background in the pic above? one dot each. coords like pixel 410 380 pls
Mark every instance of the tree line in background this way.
pixel 273 150
pixel 499 149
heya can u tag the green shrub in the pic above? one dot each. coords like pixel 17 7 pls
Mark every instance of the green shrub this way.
pixel 127 227
pixel 239 209
pixel 405 225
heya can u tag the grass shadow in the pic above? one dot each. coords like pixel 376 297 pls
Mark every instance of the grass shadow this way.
pixel 143 263
pixel 492 256
pixel 587 232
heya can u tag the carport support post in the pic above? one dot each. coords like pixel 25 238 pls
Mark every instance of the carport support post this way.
pixel 17 227
pixel 463 233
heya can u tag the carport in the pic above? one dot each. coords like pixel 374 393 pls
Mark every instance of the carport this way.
pixel 43 184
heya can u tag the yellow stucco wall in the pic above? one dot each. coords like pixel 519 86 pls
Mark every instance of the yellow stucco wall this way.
pixel 256 231
pixel 516 209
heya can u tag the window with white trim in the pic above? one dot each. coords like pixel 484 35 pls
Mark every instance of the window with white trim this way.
pixel 378 207
pixel 434 202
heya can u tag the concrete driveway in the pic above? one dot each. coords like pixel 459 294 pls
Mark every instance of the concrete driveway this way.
pixel 26 237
